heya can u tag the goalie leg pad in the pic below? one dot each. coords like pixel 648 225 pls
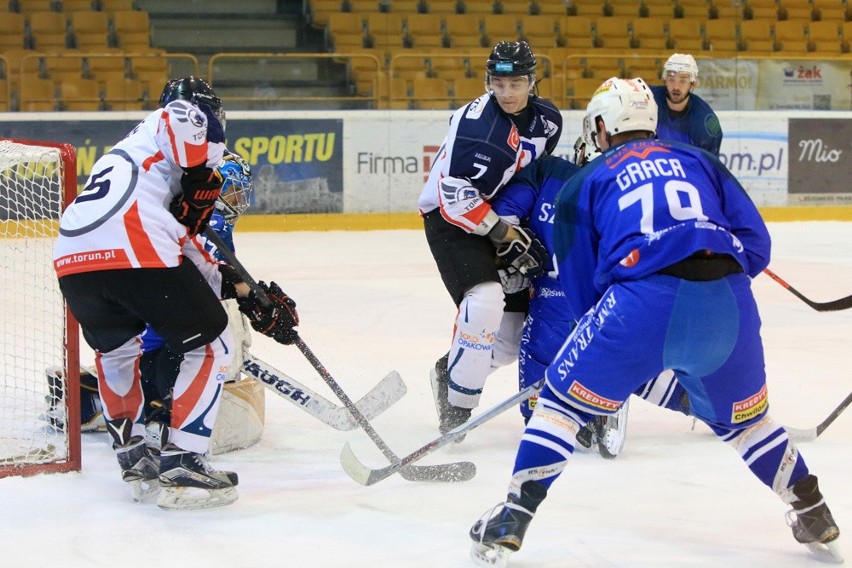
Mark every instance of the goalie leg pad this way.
pixel 241 416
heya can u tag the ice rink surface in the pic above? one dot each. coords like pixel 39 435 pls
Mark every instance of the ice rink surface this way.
pixel 371 302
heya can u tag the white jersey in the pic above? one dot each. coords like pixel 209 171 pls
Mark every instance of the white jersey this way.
pixel 121 219
pixel 481 152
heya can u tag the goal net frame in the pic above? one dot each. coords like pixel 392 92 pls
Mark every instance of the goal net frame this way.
pixel 55 444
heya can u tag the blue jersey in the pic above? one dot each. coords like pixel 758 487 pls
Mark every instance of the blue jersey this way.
pixel 150 339
pixel 644 205
pixel 697 125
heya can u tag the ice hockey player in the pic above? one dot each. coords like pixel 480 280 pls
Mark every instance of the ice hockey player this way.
pixel 127 255
pixel 489 140
pixel 650 237
pixel 684 116
pixel 528 200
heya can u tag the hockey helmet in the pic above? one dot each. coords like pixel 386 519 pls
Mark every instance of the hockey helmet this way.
pixel 236 189
pixel 197 91
pixel 625 105
pixel 681 63
pixel 511 59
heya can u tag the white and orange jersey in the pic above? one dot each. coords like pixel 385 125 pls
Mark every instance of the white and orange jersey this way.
pixel 481 152
pixel 121 219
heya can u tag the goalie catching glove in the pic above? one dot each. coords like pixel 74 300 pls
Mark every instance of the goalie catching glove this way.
pixel 194 205
pixel 278 319
pixel 518 249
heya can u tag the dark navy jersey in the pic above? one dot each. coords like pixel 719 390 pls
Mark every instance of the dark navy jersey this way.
pixel 481 152
pixel 697 125
pixel 644 205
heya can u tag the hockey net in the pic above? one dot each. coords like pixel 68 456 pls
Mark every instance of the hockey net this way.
pixel 39 419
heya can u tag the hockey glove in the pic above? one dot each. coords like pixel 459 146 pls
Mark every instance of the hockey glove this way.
pixel 194 206
pixel 519 249
pixel 512 280
pixel 276 321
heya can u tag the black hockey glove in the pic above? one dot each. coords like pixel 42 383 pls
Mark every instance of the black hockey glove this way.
pixel 194 206
pixel 276 321
pixel 518 248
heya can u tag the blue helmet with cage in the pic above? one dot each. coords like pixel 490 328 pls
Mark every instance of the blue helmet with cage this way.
pixel 236 189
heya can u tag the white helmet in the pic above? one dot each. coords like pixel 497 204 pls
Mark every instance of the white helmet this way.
pixel 625 105
pixel 681 63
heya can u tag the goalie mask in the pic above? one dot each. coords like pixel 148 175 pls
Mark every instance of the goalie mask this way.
pixel 197 91
pixel 624 105
pixel 236 189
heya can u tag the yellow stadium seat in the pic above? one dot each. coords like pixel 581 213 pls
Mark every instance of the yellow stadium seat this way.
pixel 684 35
pixel 500 27
pixel 790 36
pixel 11 31
pixel 90 29
pixel 431 93
pixel 424 31
pixel 48 30
pixel 575 31
pixel 132 29
pixel 36 94
pixel 756 35
pixel 540 30
pixel 825 37
pixel 80 95
pixel 385 30
pixel 464 30
pixel 649 33
pixel 613 32
pixel 721 35
pixel 125 94
pixel 758 9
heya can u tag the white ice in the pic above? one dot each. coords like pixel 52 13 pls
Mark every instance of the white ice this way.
pixel 371 302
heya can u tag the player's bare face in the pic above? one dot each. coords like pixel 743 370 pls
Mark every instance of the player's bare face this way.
pixel 678 87
pixel 512 93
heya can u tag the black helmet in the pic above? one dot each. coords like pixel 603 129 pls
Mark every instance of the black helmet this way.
pixel 195 90
pixel 511 59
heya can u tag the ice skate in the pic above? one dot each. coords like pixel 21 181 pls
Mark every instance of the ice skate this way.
pixel 449 416
pixel 612 432
pixel 137 467
pixel 501 530
pixel 188 482
pixel 812 522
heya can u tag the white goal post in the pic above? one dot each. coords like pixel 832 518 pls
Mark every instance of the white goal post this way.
pixel 39 419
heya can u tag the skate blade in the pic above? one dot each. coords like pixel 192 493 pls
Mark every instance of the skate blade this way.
pixel 186 498
pixel 142 490
pixel 827 552
pixel 486 555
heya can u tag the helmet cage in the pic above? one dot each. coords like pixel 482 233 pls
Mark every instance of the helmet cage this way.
pixel 237 188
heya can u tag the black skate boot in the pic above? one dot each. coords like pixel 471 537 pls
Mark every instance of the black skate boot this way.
pixel 137 465
pixel 449 416
pixel 188 482
pixel 811 521
pixel 501 531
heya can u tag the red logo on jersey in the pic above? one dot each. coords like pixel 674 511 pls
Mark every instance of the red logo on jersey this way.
pixel 591 398
pixel 514 140
pixel 630 260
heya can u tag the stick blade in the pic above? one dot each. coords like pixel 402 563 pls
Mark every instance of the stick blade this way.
pixel 360 472
pixel 801 434
pixel 382 396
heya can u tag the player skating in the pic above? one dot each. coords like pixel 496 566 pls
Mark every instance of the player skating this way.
pixel 651 238
pixel 529 200
pixel 683 115
pixel 489 140
pixel 127 255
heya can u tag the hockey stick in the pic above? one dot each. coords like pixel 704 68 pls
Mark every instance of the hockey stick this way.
pixel 380 398
pixel 457 471
pixel 460 471
pixel 810 434
pixel 840 304
pixel 367 476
